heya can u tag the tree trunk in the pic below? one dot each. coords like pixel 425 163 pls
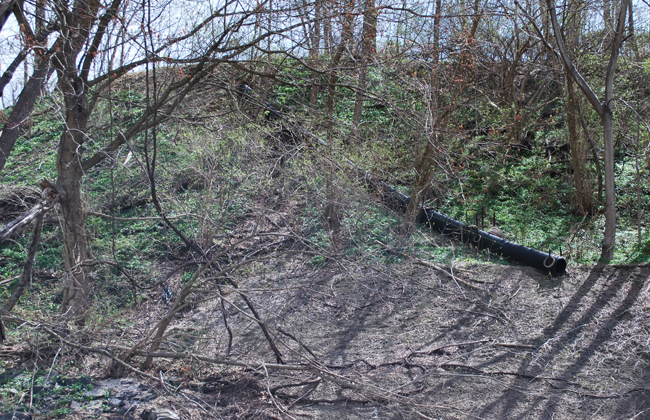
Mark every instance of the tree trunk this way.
pixel 331 212
pixel 607 15
pixel 424 164
pixel 22 111
pixel 545 23
pixel 6 7
pixel 76 286
pixel 29 263
pixel 423 175
pixel 313 55
pixel 595 156
pixel 610 192
pixel 578 155
pixel 581 184
pixel 358 103
pixel 607 118
pixel 604 110
pixel 331 215
pixel 72 84
pixel 368 48
pixel 40 29
pixel 326 15
pixel 632 35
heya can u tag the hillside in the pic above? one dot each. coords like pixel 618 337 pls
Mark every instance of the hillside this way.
pixel 316 302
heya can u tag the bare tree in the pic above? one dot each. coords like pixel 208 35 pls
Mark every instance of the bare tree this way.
pixel 604 110
pixel 88 36
pixel 332 213
pixel 368 49
pixel 35 43
pixel 445 83
pixel 436 113
pixel 582 185
pixel 314 52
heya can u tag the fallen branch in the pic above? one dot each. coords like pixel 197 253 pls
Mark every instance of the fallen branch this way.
pixel 430 352
pixel 507 373
pixel 430 265
pixel 279 387
pixel 23 220
pixel 8 280
pixel 132 219
pixel 100 351
pixel 515 345
pixel 303 345
pixel 378 393
pixel 26 276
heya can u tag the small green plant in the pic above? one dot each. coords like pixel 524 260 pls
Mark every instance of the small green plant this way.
pixel 318 261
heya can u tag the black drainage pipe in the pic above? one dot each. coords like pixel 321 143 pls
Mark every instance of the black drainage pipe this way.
pixel 553 264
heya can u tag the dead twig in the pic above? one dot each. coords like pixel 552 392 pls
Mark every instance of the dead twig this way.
pixel 297 341
pixel 100 351
pixel 133 219
pixel 273 400
pixel 429 264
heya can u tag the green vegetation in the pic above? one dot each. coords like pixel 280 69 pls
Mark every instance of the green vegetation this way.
pixel 211 179
pixel 46 393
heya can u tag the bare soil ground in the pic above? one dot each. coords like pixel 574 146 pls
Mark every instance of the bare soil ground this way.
pixel 405 341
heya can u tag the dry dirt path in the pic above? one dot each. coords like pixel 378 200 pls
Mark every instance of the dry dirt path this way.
pixel 516 345
pixel 408 341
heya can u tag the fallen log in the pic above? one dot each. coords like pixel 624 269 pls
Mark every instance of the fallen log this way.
pixel 50 198
pixel 25 219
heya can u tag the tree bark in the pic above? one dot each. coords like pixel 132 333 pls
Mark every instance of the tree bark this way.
pixel 368 48
pixel 580 183
pixel 632 35
pixel 29 263
pixel 326 15
pixel 607 117
pixel 424 164
pixel 6 7
pixel 607 15
pixel 22 111
pixel 331 211
pixel 607 252
pixel 314 52
pixel 76 284
pixel 9 72
pixel 595 156
pixel 76 287
pixel 332 215
pixel 545 23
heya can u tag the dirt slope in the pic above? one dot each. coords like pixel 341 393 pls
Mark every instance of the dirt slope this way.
pixel 399 341
pixel 417 342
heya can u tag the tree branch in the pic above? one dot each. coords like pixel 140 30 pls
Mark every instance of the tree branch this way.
pixel 568 63
pixel 99 34
pixel 5 11
pixel 616 46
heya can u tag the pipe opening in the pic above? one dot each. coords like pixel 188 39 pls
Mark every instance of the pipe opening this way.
pixel 560 266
